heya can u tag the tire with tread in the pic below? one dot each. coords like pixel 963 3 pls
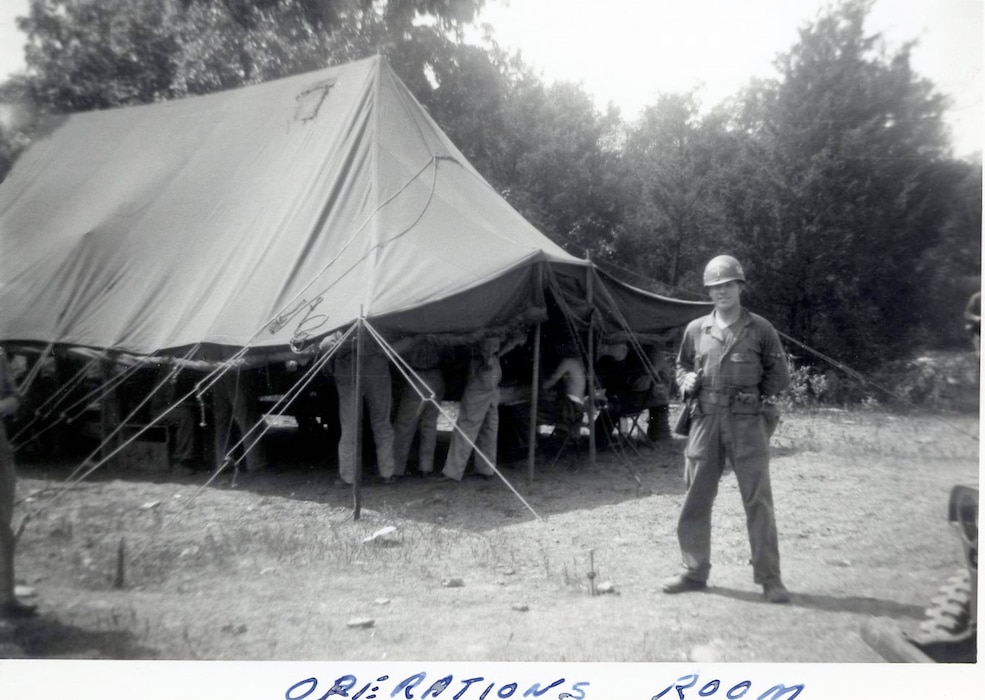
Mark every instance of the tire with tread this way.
pixel 950 611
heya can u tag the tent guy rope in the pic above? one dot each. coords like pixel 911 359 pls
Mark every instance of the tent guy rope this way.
pixel 406 370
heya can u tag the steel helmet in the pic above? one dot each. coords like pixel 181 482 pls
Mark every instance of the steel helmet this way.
pixel 722 269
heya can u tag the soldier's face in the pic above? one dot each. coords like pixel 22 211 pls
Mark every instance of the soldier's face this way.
pixel 726 296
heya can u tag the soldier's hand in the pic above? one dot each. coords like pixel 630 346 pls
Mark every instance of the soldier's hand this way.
pixel 689 382
pixel 330 341
pixel 9 405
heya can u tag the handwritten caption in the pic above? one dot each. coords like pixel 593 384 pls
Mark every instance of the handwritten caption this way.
pixel 417 686
pixel 687 687
pixel 476 688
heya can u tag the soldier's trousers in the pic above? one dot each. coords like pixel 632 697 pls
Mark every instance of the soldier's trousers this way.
pixel 478 419
pixel 378 395
pixel 719 437
pixel 233 411
pixel 7 488
pixel 417 414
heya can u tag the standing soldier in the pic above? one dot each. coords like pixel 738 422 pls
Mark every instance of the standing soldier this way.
pixel 478 411
pixel 234 397
pixel 377 396
pixel 417 409
pixel 731 362
pixel 10 607
pixel 973 321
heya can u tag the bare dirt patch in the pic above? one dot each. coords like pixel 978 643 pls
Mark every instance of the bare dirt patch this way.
pixel 276 568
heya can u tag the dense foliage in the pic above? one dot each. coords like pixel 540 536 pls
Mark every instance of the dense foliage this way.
pixel 833 183
pixel 83 54
pixel 849 147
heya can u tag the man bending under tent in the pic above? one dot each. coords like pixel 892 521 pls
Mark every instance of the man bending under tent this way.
pixel 10 607
pixel 417 413
pixel 478 411
pixel 378 397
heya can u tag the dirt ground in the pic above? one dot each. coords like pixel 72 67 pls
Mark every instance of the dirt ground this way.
pixel 135 564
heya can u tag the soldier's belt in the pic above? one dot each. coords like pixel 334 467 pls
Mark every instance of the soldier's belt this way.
pixel 715 398
pixel 737 398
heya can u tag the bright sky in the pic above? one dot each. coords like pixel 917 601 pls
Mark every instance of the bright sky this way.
pixel 628 51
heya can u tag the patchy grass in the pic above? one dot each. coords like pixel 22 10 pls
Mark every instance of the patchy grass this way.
pixel 276 567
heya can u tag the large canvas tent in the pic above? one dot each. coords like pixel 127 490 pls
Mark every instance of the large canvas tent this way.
pixel 261 216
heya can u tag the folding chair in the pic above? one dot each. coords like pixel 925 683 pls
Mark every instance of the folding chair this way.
pixel 567 425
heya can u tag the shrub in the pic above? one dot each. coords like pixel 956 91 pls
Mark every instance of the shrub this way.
pixel 939 380
pixel 942 381
pixel 810 387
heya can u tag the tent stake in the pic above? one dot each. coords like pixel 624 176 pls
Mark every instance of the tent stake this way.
pixel 120 581
pixel 591 571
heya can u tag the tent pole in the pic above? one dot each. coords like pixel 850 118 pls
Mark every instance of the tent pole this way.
pixel 357 419
pixel 534 399
pixel 591 364
pixel 109 407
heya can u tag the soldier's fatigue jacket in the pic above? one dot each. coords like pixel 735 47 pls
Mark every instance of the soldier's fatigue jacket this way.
pixel 738 372
pixel 8 388
pixel 739 368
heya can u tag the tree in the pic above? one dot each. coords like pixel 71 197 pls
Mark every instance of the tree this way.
pixel 950 270
pixel 16 118
pixel 466 89
pixel 544 148
pixel 841 166
pixel 86 54
pixel 675 161
pixel 562 175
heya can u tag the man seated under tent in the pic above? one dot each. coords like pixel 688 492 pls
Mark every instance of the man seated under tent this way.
pixel 478 411
pixel 564 397
pixel 653 387
pixel 634 380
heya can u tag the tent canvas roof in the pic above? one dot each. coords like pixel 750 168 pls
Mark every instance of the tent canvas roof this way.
pixel 314 199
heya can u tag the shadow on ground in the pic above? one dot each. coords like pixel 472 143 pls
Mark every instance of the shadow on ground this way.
pixel 563 481
pixel 861 605
pixel 44 638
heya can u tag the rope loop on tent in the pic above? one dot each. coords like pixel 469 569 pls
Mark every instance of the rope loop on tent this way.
pixel 253 436
pixel 284 317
